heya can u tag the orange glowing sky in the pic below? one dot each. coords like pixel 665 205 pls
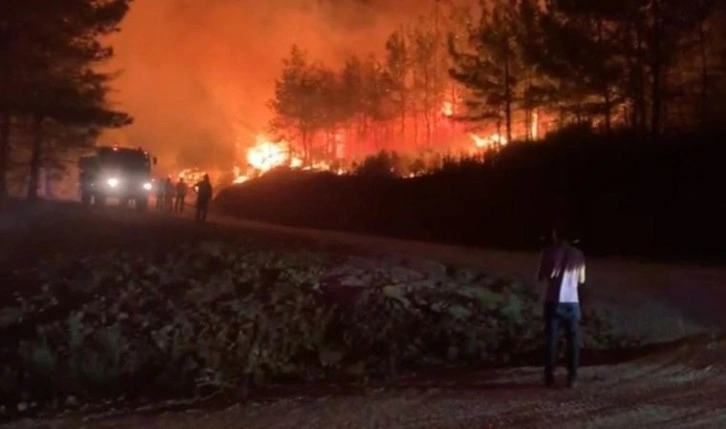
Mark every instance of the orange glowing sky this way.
pixel 197 73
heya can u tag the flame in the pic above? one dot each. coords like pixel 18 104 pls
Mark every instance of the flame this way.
pixel 238 176
pixel 319 166
pixel 191 175
pixel 266 155
pixel 240 179
pixel 447 109
pixel 488 142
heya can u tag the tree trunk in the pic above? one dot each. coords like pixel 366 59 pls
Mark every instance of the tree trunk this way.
pixel 427 107
pixel 454 111
pixel 403 117
pixel 507 97
pixel 351 141
pixel 35 158
pixel 630 46
pixel 306 148
pixel 608 107
pixel 641 100
pixel 415 130
pixel 637 76
pixel 528 135
pixel 499 133
pixel 607 97
pixel 657 72
pixel 705 108
pixel 4 153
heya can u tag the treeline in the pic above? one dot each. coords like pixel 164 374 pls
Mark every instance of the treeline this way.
pixel 518 68
pixel 370 103
pixel 621 197
pixel 52 94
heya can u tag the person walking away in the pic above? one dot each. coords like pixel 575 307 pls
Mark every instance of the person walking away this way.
pixel 181 194
pixel 169 192
pixel 204 196
pixel 562 270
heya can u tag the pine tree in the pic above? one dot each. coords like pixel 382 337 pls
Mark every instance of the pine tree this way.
pixel 351 100
pixel 376 101
pixel 304 96
pixel 429 72
pixel 585 54
pixel 489 69
pixel 398 67
pixel 49 50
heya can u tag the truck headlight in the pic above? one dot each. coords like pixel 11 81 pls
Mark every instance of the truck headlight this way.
pixel 113 182
pixel 147 186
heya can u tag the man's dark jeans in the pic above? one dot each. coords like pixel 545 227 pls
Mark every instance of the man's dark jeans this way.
pixel 202 207
pixel 566 315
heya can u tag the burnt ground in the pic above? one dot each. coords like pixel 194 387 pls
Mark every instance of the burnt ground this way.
pixel 680 385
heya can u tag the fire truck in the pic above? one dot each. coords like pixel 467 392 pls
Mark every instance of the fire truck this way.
pixel 116 173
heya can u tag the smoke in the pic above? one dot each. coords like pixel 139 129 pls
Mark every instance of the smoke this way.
pixel 197 74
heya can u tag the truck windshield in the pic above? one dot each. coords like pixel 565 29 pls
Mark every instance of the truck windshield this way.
pixel 126 159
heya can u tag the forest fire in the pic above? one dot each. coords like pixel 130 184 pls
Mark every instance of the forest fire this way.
pixel 397 84
pixel 266 155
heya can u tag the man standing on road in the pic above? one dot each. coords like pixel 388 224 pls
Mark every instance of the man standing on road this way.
pixel 562 269
pixel 204 196
pixel 181 194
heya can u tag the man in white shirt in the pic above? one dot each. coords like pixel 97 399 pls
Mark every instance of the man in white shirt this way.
pixel 562 270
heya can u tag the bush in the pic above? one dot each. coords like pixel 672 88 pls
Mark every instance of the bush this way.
pixel 218 316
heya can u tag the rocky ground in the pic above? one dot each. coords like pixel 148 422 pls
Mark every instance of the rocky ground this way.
pixel 683 385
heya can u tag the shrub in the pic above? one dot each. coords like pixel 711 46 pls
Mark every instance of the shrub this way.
pixel 217 316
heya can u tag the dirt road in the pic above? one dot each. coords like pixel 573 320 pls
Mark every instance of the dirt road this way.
pixel 682 387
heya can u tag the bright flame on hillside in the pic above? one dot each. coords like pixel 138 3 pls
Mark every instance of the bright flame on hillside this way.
pixel 266 155
pixel 487 142
pixel 240 179
pixel 238 176
pixel 319 166
pixel 447 109
pixel 192 175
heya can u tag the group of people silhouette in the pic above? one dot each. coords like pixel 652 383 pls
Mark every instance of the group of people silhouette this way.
pixel 171 197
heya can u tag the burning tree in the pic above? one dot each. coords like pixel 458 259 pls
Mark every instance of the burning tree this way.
pixel 369 104
pixel 303 95
pixel 492 69
pixel 523 67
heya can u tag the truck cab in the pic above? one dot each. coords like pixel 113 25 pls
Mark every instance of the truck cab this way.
pixel 116 173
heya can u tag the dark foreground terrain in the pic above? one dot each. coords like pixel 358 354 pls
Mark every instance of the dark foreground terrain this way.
pixel 678 385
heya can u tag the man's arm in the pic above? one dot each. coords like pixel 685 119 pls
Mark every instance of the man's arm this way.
pixel 541 268
pixel 583 295
pixel 543 274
